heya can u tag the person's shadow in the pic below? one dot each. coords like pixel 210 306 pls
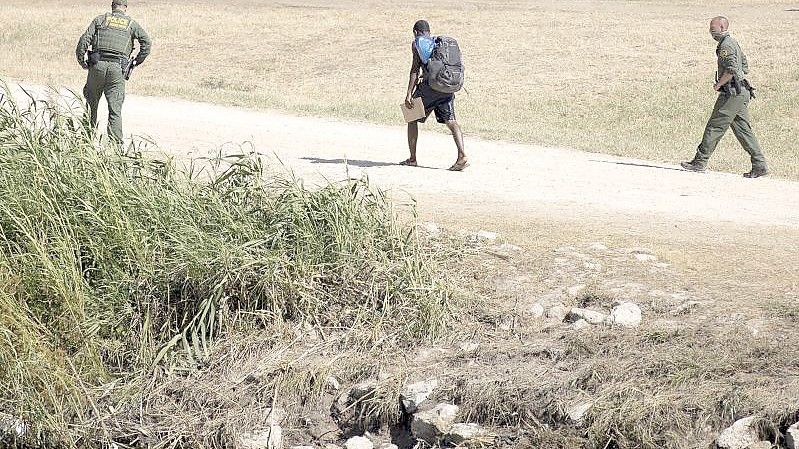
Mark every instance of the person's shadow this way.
pixel 355 162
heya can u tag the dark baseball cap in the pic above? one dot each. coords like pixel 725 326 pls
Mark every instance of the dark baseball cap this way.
pixel 119 2
pixel 421 25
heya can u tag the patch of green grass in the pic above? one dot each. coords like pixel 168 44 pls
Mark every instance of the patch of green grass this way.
pixel 117 270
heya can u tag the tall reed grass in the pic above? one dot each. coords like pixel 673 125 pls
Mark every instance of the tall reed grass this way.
pixel 115 267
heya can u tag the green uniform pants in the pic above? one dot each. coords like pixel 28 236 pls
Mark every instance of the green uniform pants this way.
pixel 105 78
pixel 730 111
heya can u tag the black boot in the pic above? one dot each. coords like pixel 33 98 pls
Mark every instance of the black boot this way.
pixel 693 166
pixel 756 172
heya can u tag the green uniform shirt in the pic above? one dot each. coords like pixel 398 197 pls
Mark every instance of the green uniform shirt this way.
pixel 113 34
pixel 731 58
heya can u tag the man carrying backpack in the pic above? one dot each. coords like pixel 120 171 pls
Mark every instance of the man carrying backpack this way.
pixel 441 67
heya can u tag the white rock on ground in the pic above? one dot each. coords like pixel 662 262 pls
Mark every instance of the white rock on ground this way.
pixel 557 312
pixel 416 393
pixel 463 433
pixel 271 438
pixel 332 446
pixel 580 325
pixel 12 426
pixel 739 435
pixel 431 425
pixel 487 235
pixel 792 437
pixel 431 228
pixel 388 446
pixel 577 413
pixel 537 310
pixel 626 314
pixel 591 316
pixel 645 257
pixel 332 383
pixel 359 443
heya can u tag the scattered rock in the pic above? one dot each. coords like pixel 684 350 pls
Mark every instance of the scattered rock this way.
pixel 431 425
pixel 663 265
pixel 362 390
pixel 359 443
pixel 580 325
pixel 462 434
pixel 760 445
pixel 271 438
pixel 486 236
pixel 332 383
pixel 792 437
pixel 430 228
pixel 302 447
pixel 740 435
pixel 626 314
pixel 332 446
pixel 577 413
pixel 598 246
pixel 469 346
pixel 591 316
pixel 12 426
pixel 414 394
pixel 575 290
pixel 557 312
pixel 388 446
pixel 537 310
pixel 645 257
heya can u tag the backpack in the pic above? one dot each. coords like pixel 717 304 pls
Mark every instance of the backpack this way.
pixel 445 68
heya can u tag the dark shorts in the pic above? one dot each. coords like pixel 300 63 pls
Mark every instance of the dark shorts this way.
pixel 443 104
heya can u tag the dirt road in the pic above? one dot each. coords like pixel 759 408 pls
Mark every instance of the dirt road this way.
pixel 503 178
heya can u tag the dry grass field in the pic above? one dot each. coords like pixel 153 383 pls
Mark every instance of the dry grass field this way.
pixel 629 78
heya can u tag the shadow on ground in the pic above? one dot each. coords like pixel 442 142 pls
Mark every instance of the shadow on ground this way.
pixel 358 163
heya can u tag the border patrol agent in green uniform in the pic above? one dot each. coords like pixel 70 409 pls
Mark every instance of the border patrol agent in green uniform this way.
pixel 111 38
pixel 732 106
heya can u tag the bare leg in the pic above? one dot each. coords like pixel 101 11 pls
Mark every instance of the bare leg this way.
pixel 457 135
pixel 413 137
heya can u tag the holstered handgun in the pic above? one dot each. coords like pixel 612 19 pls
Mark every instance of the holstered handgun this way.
pixel 127 69
pixel 93 58
pixel 749 87
pixel 736 84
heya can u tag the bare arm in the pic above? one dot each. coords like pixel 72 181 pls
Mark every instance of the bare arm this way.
pixel 416 67
pixel 725 78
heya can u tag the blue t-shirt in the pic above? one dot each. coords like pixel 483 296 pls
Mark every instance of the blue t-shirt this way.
pixel 424 46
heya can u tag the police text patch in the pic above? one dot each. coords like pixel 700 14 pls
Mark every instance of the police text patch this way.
pixel 119 23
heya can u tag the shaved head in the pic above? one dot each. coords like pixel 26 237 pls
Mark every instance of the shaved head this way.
pixel 719 24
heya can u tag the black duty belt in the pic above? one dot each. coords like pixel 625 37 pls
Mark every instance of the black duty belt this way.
pixel 112 58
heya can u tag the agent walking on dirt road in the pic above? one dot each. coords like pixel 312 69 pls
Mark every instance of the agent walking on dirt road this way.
pixel 111 37
pixel 437 90
pixel 732 106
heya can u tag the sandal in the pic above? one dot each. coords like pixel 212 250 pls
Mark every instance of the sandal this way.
pixel 459 166
pixel 409 162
